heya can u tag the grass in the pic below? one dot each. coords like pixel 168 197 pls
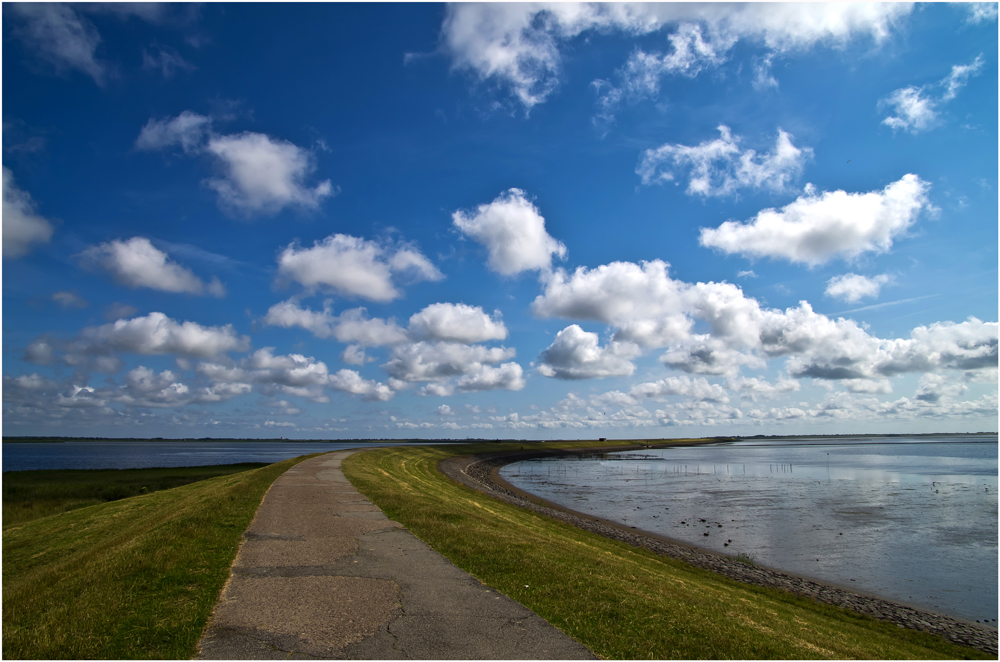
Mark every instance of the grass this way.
pixel 619 601
pixel 135 578
pixel 29 495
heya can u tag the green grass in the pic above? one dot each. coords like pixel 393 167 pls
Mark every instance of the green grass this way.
pixel 29 495
pixel 619 601
pixel 135 578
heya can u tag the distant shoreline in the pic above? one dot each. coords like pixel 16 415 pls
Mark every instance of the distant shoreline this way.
pixel 776 437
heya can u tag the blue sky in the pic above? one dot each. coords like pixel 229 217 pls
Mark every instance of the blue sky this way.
pixel 499 221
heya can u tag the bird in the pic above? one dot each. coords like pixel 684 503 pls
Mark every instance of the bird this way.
pixel 848 160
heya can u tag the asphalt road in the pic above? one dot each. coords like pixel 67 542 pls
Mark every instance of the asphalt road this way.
pixel 323 573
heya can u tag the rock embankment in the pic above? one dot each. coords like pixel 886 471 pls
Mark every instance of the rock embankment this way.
pixel 478 472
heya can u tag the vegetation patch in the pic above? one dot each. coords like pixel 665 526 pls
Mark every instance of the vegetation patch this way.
pixel 29 495
pixel 135 578
pixel 619 601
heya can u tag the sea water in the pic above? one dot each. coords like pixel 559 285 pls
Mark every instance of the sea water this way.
pixel 913 520
pixel 145 454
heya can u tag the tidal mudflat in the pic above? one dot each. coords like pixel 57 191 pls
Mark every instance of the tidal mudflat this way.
pixel 909 519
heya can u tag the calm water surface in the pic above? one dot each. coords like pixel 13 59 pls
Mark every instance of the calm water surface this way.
pixel 910 519
pixel 147 454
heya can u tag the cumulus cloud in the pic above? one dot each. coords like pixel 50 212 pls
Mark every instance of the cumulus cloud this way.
pixel 23 228
pixel 295 374
pixel 354 326
pixel 696 388
pixel 137 263
pixel 187 131
pixel 817 228
pixel 351 326
pixel 916 108
pixel 934 388
pixel 354 355
pixel 350 381
pixel 513 232
pixel 719 167
pixel 432 361
pixel 577 354
pixel 263 175
pixel 259 174
pixel 647 307
pixel 754 388
pixel 520 45
pixel 349 266
pixel 914 111
pixel 853 287
pixel 289 314
pixel 158 334
pixel 508 376
pixel 456 322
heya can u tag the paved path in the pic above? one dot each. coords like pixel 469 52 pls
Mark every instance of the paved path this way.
pixel 323 573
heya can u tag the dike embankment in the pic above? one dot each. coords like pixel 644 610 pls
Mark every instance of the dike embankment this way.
pixel 481 473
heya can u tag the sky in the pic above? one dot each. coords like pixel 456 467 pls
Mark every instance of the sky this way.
pixel 527 221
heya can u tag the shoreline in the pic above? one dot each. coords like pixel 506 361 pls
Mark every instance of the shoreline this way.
pixel 480 473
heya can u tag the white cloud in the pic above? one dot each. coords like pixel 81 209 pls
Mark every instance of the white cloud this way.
pixel 425 361
pixel 289 314
pixel 355 327
pixel 704 354
pixel 61 36
pixel 915 108
pixel 621 293
pixel 158 334
pixel 695 388
pixel 853 287
pixel 354 355
pixel 645 306
pixel 818 228
pixel 350 381
pixel 69 300
pixel 350 266
pixel 934 388
pixel 519 45
pixel 263 175
pixel 959 76
pixel 22 227
pixel 412 264
pixel 719 167
pixel 513 233
pixel 259 174
pixel 295 374
pixel 914 111
pixel 754 388
pixel 137 263
pixel 507 376
pixel 351 326
pixel 456 322
pixel 444 410
pixel 577 354
pixel 188 130
pixel 980 12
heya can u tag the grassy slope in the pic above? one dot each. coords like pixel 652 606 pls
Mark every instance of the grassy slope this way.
pixel 621 602
pixel 29 495
pixel 130 579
